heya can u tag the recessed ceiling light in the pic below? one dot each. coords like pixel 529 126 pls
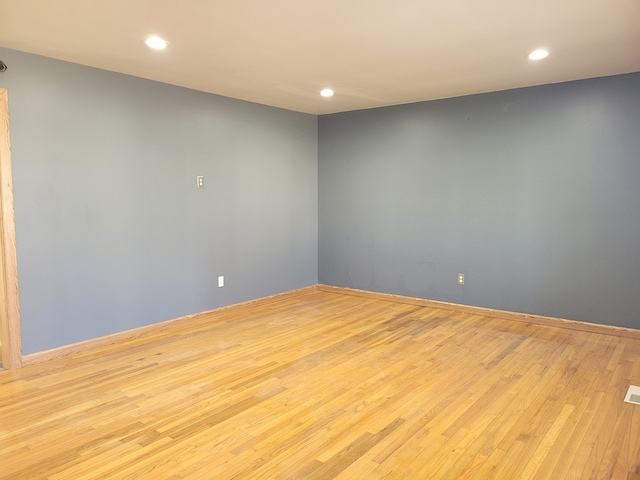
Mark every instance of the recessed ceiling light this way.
pixel 327 92
pixel 156 42
pixel 538 54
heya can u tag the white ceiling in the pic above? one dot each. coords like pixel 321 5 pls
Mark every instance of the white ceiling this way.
pixel 371 52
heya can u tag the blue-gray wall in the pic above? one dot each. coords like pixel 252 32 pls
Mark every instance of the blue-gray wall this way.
pixel 533 194
pixel 112 233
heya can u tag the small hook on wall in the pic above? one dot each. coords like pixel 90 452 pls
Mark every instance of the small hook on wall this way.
pixel 3 66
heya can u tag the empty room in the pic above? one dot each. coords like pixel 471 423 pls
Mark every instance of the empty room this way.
pixel 337 240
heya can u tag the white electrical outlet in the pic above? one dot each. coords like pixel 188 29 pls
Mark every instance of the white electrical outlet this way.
pixel 220 281
pixel 200 181
pixel 461 279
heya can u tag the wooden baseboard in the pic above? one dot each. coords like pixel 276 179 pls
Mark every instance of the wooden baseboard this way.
pixel 75 348
pixel 489 312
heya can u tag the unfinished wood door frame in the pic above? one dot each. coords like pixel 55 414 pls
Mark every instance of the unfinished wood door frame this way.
pixel 10 339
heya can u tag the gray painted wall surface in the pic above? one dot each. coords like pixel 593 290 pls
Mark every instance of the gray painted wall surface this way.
pixel 533 194
pixel 112 233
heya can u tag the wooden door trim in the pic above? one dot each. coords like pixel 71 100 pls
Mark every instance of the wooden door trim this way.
pixel 10 315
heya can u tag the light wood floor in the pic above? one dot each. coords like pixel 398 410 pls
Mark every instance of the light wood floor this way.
pixel 328 386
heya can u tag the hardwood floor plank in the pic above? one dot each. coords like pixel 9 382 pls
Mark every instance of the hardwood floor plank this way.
pixel 326 385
